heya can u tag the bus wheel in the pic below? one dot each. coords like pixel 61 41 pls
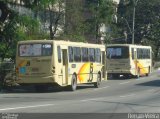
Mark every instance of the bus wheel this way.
pixel 73 86
pixel 97 84
pixel 127 76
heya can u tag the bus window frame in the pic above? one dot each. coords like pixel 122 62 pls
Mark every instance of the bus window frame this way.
pixel 41 49
pixel 126 57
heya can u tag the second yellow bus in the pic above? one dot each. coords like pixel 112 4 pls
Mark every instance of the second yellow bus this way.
pixel 128 60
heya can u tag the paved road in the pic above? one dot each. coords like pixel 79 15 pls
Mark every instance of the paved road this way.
pixel 114 96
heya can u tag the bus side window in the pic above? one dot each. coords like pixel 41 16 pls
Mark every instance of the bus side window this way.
pixel 77 54
pixel 92 54
pixel 84 54
pixel 149 54
pixel 97 55
pixel 70 53
pixel 59 54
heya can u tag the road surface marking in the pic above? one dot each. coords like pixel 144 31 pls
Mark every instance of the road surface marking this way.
pixel 91 99
pixel 125 82
pixel 102 88
pixel 127 95
pixel 25 107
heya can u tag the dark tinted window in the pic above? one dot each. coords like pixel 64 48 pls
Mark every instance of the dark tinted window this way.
pixel 77 54
pixel 91 54
pixel 85 54
pixel 70 54
pixel 59 53
pixel 143 53
pixel 117 52
pixel 97 55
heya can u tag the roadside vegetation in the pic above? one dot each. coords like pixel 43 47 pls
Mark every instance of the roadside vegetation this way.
pixel 15 27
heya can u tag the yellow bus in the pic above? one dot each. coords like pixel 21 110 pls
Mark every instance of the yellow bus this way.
pixel 47 62
pixel 128 60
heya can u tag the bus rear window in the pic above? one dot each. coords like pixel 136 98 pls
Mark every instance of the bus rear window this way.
pixel 117 52
pixel 35 50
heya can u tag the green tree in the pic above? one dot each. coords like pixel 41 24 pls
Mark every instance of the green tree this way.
pixel 53 11
pixel 85 18
pixel 146 21
pixel 125 19
pixel 74 21
pixel 13 28
pixel 102 12
pixel 17 28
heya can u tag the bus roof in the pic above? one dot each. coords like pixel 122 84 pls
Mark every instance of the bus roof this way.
pixel 62 42
pixel 130 45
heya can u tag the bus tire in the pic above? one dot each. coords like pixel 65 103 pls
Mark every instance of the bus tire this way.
pixel 127 76
pixel 97 83
pixel 73 86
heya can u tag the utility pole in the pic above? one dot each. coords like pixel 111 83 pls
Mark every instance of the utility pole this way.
pixel 134 11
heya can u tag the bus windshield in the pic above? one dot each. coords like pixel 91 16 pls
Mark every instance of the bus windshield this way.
pixel 117 52
pixel 36 49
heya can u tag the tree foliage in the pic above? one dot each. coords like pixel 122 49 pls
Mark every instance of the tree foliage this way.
pixel 102 12
pixel 13 28
pixel 55 8
pixel 146 21
pixel 77 24
pixel 85 18
pixel 74 21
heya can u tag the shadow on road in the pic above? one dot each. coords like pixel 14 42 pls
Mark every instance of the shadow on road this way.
pixel 30 89
pixel 155 83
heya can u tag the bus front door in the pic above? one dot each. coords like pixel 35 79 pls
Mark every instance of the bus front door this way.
pixel 65 66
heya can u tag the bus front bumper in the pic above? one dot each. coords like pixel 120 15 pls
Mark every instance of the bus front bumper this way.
pixel 35 80
pixel 118 71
